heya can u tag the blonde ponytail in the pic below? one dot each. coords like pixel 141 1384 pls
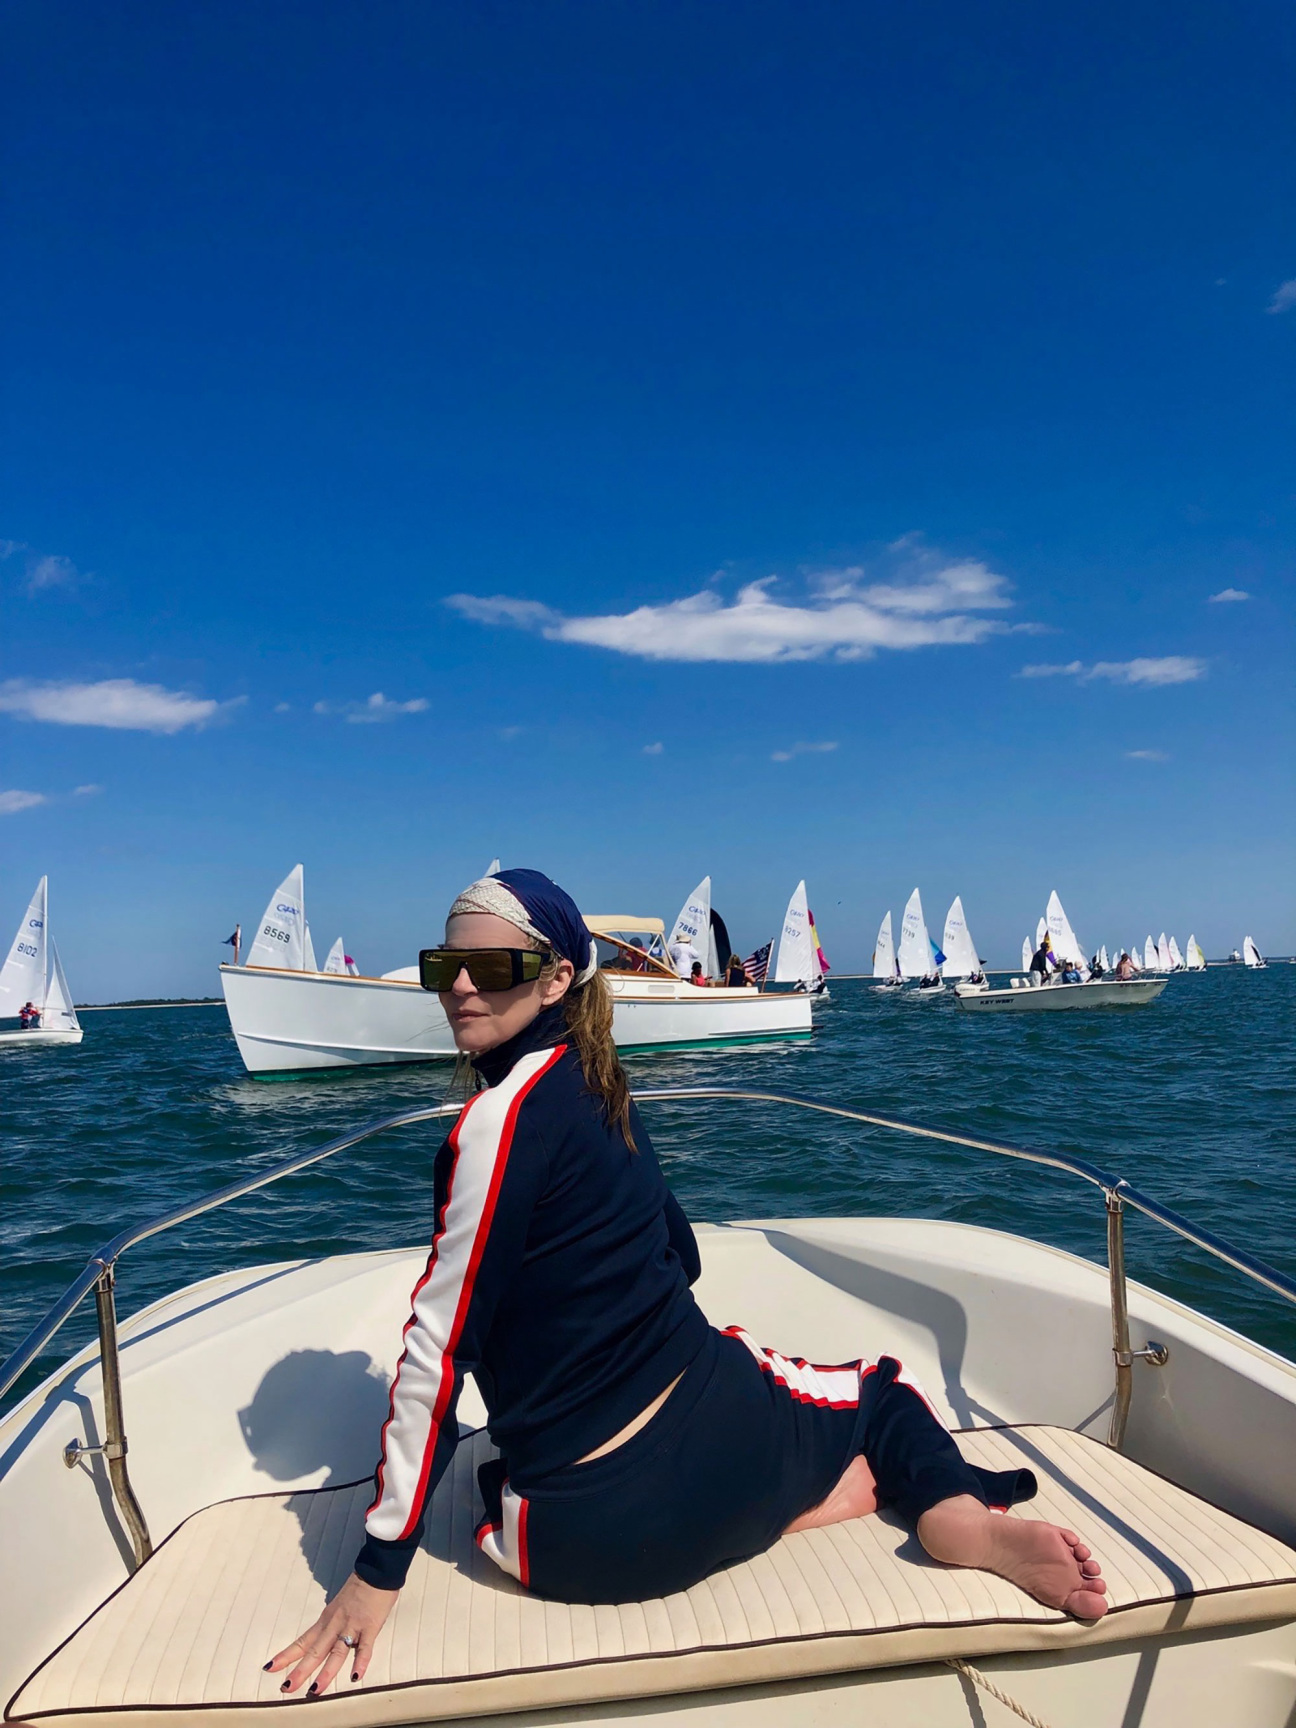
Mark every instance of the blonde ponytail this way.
pixel 588 1009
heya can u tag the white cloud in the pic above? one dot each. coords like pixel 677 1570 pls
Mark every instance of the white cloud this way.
pixel 85 791
pixel 119 703
pixel 654 749
pixel 51 572
pixel 1147 755
pixel 841 616
pixel 12 802
pixel 1285 298
pixel 1227 594
pixel 374 709
pixel 802 750
pixel 1161 669
pixel 283 707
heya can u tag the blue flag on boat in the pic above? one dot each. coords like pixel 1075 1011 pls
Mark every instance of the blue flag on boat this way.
pixel 937 957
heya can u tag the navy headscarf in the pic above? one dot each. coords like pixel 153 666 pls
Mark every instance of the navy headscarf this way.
pixel 537 905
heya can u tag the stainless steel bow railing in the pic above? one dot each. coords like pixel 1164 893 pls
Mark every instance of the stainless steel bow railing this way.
pixel 100 1272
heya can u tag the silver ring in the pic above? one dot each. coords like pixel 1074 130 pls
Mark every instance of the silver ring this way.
pixel 348 1640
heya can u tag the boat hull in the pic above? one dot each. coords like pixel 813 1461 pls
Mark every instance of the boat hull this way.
pixel 288 1022
pixel 42 1036
pixel 272 1382
pixel 1055 998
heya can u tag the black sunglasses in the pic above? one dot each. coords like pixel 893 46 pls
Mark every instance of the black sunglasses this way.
pixel 489 968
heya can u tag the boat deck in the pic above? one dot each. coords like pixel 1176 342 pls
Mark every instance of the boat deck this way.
pixel 238 1580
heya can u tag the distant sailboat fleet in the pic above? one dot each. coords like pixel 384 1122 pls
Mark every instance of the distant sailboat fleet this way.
pixel 284 1017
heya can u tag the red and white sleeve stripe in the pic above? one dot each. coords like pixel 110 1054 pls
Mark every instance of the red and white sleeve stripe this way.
pixel 421 1423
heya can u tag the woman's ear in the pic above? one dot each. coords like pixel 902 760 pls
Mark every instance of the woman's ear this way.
pixel 557 987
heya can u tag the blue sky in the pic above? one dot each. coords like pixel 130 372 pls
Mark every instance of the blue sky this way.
pixel 638 442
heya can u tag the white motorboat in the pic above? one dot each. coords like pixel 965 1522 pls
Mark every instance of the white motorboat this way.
pixel 1023 996
pixel 146 1592
pixel 33 973
pixel 287 1021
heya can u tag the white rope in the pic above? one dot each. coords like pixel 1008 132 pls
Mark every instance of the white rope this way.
pixel 987 1685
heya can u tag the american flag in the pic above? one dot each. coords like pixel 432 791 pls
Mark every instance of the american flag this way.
pixel 757 965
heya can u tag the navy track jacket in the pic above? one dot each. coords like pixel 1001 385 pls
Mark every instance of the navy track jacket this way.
pixel 559 1277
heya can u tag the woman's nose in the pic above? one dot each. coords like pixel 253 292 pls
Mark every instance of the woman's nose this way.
pixel 463 984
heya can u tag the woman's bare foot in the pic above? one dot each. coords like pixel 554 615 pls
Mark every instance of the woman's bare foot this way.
pixel 853 1496
pixel 1052 1565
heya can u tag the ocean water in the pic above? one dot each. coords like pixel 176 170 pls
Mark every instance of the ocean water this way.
pixel 1190 1099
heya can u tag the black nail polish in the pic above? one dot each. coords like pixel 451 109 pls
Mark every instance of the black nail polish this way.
pixel 313 1687
pixel 285 1686
pixel 268 1667
pixel 354 1678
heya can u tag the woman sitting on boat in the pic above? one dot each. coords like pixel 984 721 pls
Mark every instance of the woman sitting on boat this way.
pixel 640 1448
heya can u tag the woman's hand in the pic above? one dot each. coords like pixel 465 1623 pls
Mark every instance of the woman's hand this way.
pixel 358 1611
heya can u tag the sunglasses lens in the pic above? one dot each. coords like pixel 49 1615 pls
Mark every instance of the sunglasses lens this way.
pixel 488 968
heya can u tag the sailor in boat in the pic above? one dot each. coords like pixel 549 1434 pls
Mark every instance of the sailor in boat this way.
pixel 931 982
pixel 640 1448
pixel 29 1017
pixel 696 975
pixel 683 957
pixel 1043 960
pixel 735 976
pixel 1095 969
pixel 1125 967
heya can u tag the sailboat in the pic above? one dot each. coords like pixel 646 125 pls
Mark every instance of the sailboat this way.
pixel 961 959
pixel 33 973
pixel 1028 953
pixel 1151 960
pixel 1066 945
pixel 1251 955
pixel 1176 958
pixel 1165 960
pixel 918 952
pixel 799 955
pixel 694 926
pixel 886 968
pixel 283 940
pixel 1103 961
pixel 340 963
pixel 1195 960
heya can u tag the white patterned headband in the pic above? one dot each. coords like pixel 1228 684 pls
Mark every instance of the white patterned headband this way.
pixel 497 900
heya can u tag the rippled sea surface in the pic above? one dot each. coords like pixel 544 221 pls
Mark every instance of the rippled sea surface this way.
pixel 1190 1099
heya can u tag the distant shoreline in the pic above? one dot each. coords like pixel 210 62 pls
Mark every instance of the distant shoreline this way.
pixel 164 1002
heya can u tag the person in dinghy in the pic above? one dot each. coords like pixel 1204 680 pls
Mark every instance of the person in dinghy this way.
pixel 640 1448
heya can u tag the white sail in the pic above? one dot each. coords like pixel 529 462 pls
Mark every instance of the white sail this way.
pixel 1250 953
pixel 1065 944
pixel 1195 960
pixel 308 956
pixel 961 959
pixel 1103 961
pixel 1150 961
pixel 336 961
pixel 1176 958
pixel 796 950
pixel 694 921
pixel 915 944
pixel 1041 931
pixel 1028 953
pixel 22 978
pixel 1164 963
pixel 493 868
pixel 281 937
pixel 884 961
pixel 59 1014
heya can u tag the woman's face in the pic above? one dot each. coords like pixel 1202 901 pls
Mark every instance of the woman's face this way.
pixel 479 1021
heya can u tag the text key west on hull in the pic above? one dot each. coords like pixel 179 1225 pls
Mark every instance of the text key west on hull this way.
pixel 286 1016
